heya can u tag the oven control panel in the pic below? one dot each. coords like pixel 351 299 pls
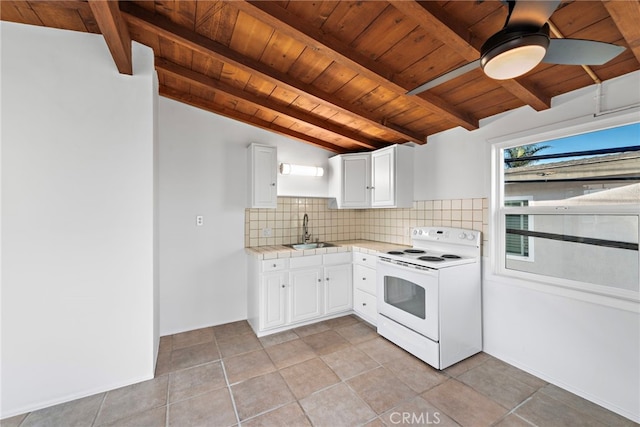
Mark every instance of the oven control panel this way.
pixel 447 234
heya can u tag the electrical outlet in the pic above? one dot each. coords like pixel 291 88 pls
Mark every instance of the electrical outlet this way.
pixel 199 220
pixel 266 232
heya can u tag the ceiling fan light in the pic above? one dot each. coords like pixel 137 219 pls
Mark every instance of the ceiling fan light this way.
pixel 511 55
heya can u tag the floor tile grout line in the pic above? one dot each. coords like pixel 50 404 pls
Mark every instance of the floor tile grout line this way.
pixel 166 410
pixel 515 408
pixel 233 401
pixel 95 418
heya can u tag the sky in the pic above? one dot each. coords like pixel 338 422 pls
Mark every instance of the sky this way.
pixel 623 136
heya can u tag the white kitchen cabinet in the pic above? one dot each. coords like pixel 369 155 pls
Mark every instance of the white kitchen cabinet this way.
pixel 364 286
pixel 356 180
pixel 263 175
pixel 305 294
pixel 383 177
pixel 338 293
pixel 274 301
pixel 285 293
pixel 379 179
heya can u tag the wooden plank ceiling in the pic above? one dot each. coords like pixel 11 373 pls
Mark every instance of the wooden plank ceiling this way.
pixel 335 73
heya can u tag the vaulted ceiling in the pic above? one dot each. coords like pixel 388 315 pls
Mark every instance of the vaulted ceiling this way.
pixel 335 73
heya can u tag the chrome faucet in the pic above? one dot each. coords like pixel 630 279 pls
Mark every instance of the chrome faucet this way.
pixel 305 229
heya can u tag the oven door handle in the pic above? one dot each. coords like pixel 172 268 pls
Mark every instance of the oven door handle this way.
pixel 384 264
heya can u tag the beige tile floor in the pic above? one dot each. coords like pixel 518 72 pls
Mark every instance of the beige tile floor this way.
pixel 335 373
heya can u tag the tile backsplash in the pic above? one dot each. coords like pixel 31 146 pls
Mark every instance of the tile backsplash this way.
pixel 283 225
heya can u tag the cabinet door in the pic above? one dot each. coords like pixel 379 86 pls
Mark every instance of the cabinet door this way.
pixel 383 180
pixel 274 300
pixel 305 294
pixel 356 181
pixel 338 293
pixel 263 177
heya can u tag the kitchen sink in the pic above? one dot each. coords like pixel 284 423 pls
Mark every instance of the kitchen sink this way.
pixel 302 246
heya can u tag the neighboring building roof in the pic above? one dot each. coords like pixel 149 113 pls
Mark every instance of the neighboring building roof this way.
pixel 611 165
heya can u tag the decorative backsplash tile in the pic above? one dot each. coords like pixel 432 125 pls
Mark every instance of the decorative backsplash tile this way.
pixel 284 225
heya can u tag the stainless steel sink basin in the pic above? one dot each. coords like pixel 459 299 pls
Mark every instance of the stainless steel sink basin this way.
pixel 302 246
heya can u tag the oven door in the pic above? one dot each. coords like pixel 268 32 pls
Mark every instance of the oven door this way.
pixel 409 296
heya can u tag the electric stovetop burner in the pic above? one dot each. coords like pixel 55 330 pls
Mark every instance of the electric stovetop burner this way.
pixel 450 256
pixel 431 258
pixel 395 253
pixel 414 251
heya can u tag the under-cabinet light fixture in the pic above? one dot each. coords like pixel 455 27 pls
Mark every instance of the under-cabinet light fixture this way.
pixel 300 170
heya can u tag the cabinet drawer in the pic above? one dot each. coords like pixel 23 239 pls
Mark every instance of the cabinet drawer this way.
pixel 365 304
pixel 339 258
pixel 364 278
pixel 369 260
pixel 306 261
pixel 274 265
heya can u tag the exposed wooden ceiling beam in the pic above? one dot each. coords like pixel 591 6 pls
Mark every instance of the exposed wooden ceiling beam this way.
pixel 141 18
pixel 205 104
pixel 626 15
pixel 459 38
pixel 287 23
pixel 115 33
pixel 192 77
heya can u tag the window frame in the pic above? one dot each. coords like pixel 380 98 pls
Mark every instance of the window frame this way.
pixel 573 127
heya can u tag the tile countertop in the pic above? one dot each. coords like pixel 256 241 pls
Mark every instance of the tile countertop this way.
pixel 280 251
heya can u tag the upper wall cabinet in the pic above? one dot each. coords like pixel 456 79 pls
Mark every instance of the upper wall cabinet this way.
pixel 379 179
pixel 263 175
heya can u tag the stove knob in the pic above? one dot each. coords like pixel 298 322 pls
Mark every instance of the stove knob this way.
pixel 415 232
pixel 421 232
pixel 462 236
pixel 471 236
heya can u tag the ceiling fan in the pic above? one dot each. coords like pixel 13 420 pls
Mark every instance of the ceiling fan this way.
pixel 524 42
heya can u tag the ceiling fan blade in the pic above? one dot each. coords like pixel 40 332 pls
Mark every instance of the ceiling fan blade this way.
pixel 531 13
pixel 446 77
pixel 580 52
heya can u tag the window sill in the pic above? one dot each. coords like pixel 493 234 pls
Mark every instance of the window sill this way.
pixel 623 300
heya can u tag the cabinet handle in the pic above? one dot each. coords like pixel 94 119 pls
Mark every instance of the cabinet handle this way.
pixel 283 285
pixel 319 280
pixel 364 278
pixel 364 303
pixel 273 184
pixel 326 279
pixel 364 259
pixel 274 265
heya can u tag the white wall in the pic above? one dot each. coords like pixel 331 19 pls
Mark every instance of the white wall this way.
pixel 590 346
pixel 77 218
pixel 450 166
pixel 203 171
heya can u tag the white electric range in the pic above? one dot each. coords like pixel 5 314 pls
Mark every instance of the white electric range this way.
pixel 429 296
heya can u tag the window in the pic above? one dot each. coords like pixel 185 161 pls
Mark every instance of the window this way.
pixel 517 245
pixel 568 209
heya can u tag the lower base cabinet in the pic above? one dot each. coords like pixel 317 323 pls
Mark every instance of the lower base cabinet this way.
pixel 274 301
pixel 305 293
pixel 285 293
pixel 365 302
pixel 365 305
pixel 338 293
